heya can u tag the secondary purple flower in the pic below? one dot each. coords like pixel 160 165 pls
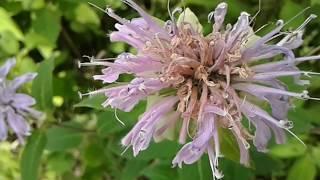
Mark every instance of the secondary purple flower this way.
pixel 211 81
pixel 15 107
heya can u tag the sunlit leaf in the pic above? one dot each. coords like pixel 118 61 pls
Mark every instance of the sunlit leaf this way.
pixel 46 23
pixel 33 4
pixel 303 169
pixel 8 43
pixel 7 24
pixel 289 150
pixel 89 17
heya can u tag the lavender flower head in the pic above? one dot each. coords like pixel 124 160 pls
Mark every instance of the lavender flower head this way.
pixel 204 82
pixel 15 107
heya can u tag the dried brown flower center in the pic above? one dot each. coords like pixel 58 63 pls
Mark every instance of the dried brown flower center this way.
pixel 199 77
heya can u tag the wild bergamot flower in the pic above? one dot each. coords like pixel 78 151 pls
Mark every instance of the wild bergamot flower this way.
pixel 213 80
pixel 15 107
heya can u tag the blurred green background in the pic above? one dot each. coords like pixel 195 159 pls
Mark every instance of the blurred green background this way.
pixel 80 140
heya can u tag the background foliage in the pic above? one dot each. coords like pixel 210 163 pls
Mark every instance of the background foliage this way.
pixel 80 140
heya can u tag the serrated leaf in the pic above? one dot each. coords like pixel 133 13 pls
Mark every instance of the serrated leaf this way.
pixel 92 102
pixel 63 138
pixel 188 17
pixel 31 156
pixel 303 169
pixel 7 24
pixel 42 84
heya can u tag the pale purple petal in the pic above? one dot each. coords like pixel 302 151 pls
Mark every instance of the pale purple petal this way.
pixel 4 69
pixel 17 82
pixel 141 134
pixel 18 123
pixel 3 127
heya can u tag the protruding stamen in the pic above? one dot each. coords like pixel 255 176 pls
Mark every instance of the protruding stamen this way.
pixel 286 124
pixel 80 95
pixel 254 17
pixel 91 93
pixel 89 57
pixel 95 63
pixel 297 15
pixel 295 136
pixel 97 7
pixel 310 18
pixel 308 73
pixel 305 95
pixel 117 118
pixel 210 16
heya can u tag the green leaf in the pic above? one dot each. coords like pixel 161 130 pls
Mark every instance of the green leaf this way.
pixel 229 145
pixel 90 154
pixel 316 155
pixel 31 156
pixel 303 169
pixel 108 124
pixel 315 2
pixel 235 171
pixel 42 84
pixel 62 138
pixel 85 15
pixel 302 119
pixel 289 10
pixel 133 169
pixel 289 150
pixel 160 170
pixel 188 17
pixel 8 43
pixel 189 172
pixel 92 102
pixel 33 4
pixel 265 164
pixel 46 23
pixel 60 162
pixel 163 150
pixel 7 24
